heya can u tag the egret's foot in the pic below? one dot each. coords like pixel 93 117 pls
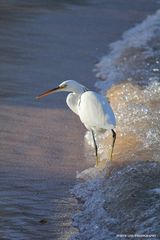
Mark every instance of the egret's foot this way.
pixel 109 169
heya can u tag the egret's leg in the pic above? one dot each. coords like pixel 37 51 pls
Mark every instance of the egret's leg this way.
pixel 113 142
pixel 96 148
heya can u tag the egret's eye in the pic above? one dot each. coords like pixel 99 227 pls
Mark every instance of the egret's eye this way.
pixel 63 86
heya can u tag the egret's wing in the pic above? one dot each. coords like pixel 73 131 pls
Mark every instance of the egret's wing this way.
pixel 95 112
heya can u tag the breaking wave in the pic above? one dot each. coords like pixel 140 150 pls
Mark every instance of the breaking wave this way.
pixel 127 203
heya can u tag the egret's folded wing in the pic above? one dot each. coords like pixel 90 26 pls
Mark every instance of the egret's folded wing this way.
pixel 95 111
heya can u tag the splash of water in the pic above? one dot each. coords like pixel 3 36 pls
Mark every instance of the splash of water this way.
pixel 134 66
pixel 128 201
pixel 134 58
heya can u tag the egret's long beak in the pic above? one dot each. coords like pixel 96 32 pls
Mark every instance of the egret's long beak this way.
pixel 59 88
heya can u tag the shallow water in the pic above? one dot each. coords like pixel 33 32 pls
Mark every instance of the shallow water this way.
pixel 35 178
pixel 41 142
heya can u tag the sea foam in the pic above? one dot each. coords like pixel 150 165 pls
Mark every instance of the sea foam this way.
pixel 126 202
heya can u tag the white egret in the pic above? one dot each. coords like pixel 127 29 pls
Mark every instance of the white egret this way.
pixel 92 108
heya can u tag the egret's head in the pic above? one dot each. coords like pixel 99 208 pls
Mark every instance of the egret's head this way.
pixel 67 86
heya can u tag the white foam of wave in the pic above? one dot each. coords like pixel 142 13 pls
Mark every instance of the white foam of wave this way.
pixel 91 222
pixel 90 173
pixel 126 52
pixel 110 205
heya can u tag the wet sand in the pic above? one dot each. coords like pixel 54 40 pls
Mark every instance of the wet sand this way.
pixel 41 141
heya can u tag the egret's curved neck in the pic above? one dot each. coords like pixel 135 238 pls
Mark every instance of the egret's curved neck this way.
pixel 78 89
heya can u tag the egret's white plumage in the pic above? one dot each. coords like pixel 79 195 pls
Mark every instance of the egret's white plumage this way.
pixel 72 102
pixel 95 112
pixel 92 108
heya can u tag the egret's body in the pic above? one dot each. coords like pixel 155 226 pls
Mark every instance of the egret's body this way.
pixel 92 108
pixel 95 113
